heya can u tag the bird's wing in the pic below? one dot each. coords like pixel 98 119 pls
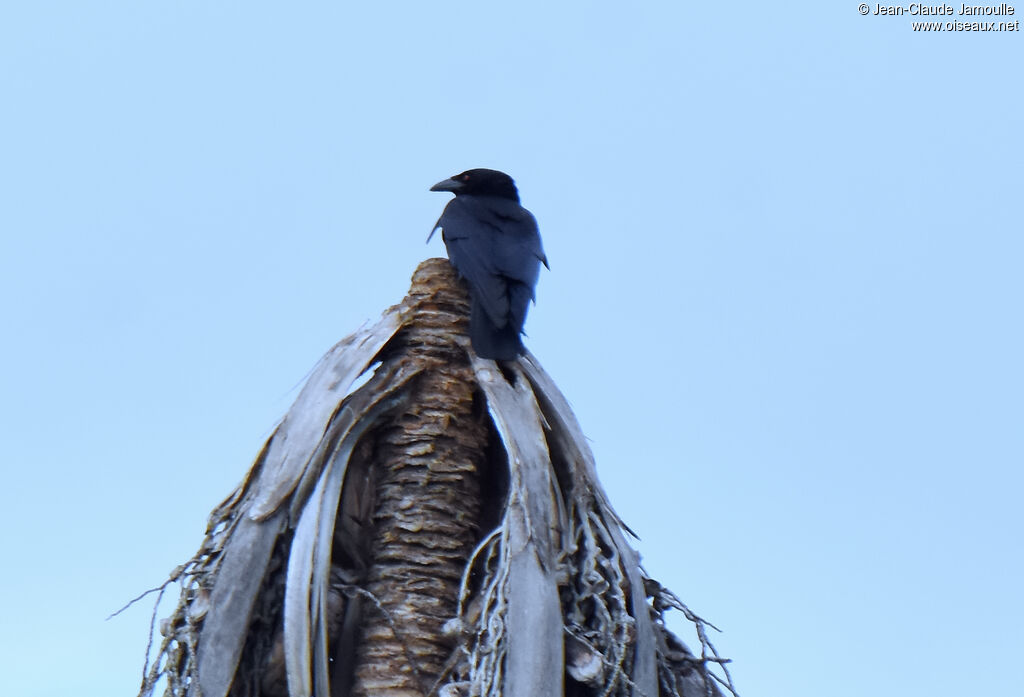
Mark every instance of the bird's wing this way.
pixel 495 246
pixel 470 235
pixel 519 297
pixel 520 252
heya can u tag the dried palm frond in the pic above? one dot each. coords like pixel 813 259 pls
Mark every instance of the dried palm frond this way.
pixel 437 529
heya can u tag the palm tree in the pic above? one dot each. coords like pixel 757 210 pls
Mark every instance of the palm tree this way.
pixel 423 522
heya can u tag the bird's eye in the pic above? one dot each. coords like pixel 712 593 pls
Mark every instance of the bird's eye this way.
pixel 464 177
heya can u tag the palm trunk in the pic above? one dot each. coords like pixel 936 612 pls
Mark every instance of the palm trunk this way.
pixel 425 522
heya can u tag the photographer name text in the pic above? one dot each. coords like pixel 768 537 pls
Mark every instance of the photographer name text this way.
pixel 918 9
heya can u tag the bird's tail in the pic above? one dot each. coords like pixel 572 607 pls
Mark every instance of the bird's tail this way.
pixel 489 341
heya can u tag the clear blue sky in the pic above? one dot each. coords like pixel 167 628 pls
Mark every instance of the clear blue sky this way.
pixel 784 299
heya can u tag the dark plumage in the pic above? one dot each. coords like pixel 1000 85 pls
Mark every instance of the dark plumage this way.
pixel 493 243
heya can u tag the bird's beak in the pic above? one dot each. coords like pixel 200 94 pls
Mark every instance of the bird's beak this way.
pixel 447 185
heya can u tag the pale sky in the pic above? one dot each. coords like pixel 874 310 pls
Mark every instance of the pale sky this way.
pixel 784 299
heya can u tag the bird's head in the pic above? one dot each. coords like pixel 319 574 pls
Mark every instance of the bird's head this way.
pixel 480 182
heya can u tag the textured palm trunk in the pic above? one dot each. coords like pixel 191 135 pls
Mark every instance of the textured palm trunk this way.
pixel 426 516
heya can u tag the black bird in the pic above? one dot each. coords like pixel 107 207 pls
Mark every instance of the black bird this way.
pixel 493 243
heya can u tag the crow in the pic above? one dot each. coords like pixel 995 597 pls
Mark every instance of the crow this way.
pixel 494 244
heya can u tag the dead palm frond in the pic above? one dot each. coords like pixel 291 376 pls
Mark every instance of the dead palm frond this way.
pixel 436 529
